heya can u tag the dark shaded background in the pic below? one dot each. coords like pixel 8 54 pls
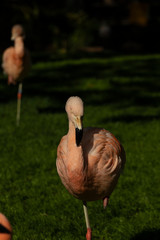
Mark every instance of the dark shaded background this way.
pixel 63 26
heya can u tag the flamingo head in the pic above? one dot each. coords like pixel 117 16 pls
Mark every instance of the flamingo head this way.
pixel 17 31
pixel 74 109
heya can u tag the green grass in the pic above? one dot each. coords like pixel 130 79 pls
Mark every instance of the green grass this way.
pixel 121 94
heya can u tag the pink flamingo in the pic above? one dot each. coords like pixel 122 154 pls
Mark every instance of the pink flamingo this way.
pixel 5 228
pixel 89 161
pixel 16 62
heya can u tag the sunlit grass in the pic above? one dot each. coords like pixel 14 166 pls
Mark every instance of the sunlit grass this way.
pixel 121 94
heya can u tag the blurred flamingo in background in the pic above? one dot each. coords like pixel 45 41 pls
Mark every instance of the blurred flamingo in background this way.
pixel 5 228
pixel 89 161
pixel 16 62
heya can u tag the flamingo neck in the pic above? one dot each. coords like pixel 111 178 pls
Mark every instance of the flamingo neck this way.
pixel 19 46
pixel 75 153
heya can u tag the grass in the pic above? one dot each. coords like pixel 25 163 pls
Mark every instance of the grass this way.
pixel 121 94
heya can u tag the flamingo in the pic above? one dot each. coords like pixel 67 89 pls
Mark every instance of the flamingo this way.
pixel 89 161
pixel 5 228
pixel 16 62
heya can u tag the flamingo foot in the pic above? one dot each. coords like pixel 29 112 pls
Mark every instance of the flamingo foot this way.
pixel 89 234
pixel 105 202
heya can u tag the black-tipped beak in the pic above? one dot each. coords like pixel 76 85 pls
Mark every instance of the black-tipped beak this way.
pixel 4 229
pixel 13 37
pixel 79 135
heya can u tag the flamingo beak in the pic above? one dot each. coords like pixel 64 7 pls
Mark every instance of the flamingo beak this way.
pixel 79 131
pixel 3 229
pixel 13 37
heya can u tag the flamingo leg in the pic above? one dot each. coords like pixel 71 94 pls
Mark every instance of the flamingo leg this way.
pixel 19 96
pixel 11 80
pixel 89 232
pixel 105 202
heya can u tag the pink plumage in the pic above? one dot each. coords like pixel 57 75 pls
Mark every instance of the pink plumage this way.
pixel 16 60
pixel 90 165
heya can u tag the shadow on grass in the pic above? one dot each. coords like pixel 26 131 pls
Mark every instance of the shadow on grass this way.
pixel 7 93
pixel 148 235
pixel 130 118
pixel 126 83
